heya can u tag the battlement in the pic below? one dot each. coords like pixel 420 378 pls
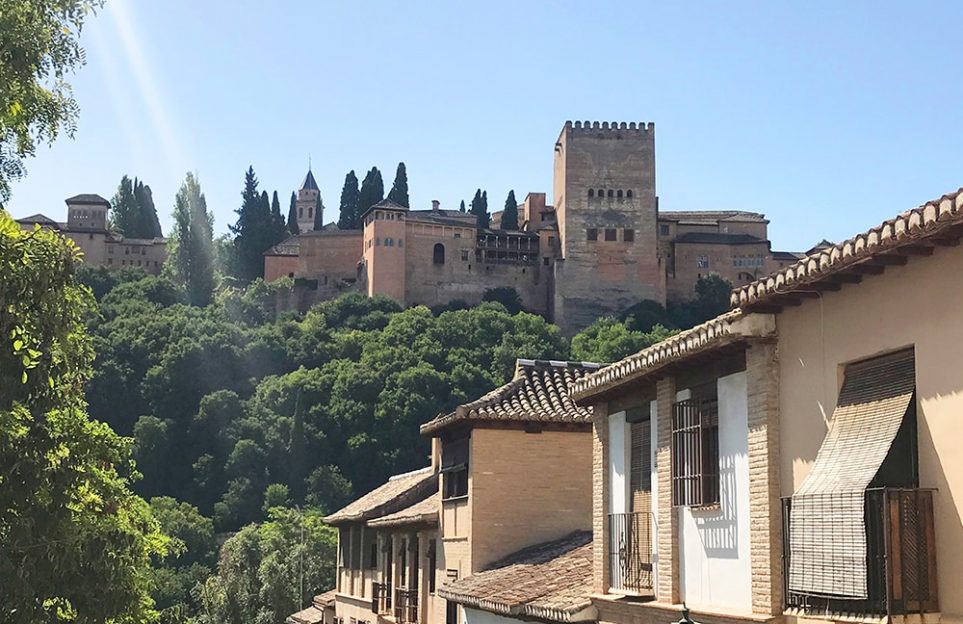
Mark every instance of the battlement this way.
pixel 617 126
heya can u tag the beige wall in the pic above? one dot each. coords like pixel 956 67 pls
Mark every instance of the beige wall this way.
pixel 276 267
pixel 334 255
pixel 921 305
pixel 684 269
pixel 527 488
pixel 385 265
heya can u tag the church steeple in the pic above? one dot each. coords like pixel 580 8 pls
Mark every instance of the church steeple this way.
pixel 309 203
pixel 309 184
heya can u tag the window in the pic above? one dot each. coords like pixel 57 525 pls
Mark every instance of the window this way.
pixel 401 242
pixel 377 242
pixel 591 234
pixel 619 194
pixel 300 213
pixel 389 242
pixel 663 229
pixel 438 254
pixel 591 193
pixel 110 260
pixel 143 251
pixel 432 563
pixel 451 612
pixel 457 234
pixel 628 193
pixel 454 467
pixel 464 255
pixel 695 452
pixel 110 249
pixel 610 234
pixel 126 251
pixel 310 211
pixel 545 260
pixel 611 193
pixel 628 235
pixel 702 262
pixel 372 553
pixel 601 193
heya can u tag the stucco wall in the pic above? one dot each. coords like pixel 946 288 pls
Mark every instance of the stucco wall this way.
pixel 276 267
pixel 921 305
pixel 527 488
pixel 334 255
pixel 714 548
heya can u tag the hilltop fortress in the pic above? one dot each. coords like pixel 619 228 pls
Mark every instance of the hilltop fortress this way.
pixel 602 247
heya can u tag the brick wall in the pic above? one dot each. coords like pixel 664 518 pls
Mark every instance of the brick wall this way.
pixel 668 519
pixel 600 498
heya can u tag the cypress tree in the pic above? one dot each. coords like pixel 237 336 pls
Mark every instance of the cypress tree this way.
pixel 372 192
pixel 194 245
pixel 479 208
pixel 461 208
pixel 510 213
pixel 399 189
pixel 293 215
pixel 318 212
pixel 148 212
pixel 253 233
pixel 350 197
pixel 124 209
pixel 277 219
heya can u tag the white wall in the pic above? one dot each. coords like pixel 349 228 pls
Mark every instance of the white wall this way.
pixel 477 616
pixel 714 543
pixel 620 440
pixel 654 423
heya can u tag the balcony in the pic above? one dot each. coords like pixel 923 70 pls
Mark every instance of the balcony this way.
pixel 406 606
pixel 900 557
pixel 381 598
pixel 630 553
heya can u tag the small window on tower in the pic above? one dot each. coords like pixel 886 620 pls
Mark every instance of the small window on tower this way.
pixel 628 235
pixel 663 229
pixel 619 194
pixel 601 193
pixel 611 193
pixel 702 262
pixel 591 193
pixel 310 211
pixel 610 234
pixel 628 193
pixel 592 234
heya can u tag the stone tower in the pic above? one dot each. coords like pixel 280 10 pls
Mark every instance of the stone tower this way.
pixel 604 186
pixel 384 250
pixel 307 202
pixel 87 212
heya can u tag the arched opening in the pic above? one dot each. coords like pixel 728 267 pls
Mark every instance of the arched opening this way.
pixel 619 194
pixel 591 192
pixel 310 212
pixel 611 193
pixel 601 193
pixel 628 193
pixel 438 254
pixel 300 213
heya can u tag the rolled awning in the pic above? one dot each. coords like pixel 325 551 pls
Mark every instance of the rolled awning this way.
pixel 827 532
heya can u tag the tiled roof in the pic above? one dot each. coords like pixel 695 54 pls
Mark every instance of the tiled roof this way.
pixel 711 215
pixel 783 256
pixel 538 392
pixel 725 329
pixel 357 233
pixel 399 492
pixel 717 238
pixel 290 246
pixel 931 221
pixel 309 182
pixel 41 219
pixel 311 615
pixel 422 512
pixel 87 198
pixel 550 581
pixel 455 218
pixel 326 599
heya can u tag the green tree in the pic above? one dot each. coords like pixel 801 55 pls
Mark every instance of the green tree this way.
pixel 609 340
pixel 39 40
pixel 372 192
pixel 505 295
pixel 151 227
pixel 277 219
pixel 275 495
pixel 350 202
pixel 510 213
pixel 318 212
pixel 293 215
pixel 399 189
pixel 253 231
pixel 124 212
pixel 193 248
pixel 479 208
pixel 461 207
pixel 75 543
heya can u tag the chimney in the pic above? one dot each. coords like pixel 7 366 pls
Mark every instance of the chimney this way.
pixel 434 205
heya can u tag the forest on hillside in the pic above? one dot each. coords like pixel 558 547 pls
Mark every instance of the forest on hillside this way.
pixel 253 425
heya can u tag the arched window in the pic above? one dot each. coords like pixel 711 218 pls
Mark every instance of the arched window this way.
pixel 601 193
pixel 611 193
pixel 310 212
pixel 438 255
pixel 591 192
pixel 619 194
pixel 300 213
pixel 628 193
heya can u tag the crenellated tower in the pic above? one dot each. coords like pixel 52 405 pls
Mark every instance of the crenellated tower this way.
pixel 307 202
pixel 604 186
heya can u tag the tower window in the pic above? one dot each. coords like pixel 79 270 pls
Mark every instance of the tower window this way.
pixel 601 193
pixel 628 235
pixel 438 254
pixel 591 193
pixel 610 233
pixel 464 255
pixel 702 262
pixel 628 193
pixel 310 211
pixel 664 229
pixel 619 194
pixel 611 193
pixel 591 234
pixel 300 213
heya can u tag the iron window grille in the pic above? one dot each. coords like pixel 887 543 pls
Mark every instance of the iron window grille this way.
pixel 695 452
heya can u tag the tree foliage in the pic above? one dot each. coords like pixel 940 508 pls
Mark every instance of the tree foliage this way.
pixel 479 208
pixel 399 189
pixel 132 210
pixel 255 230
pixel 75 543
pixel 372 192
pixel 350 202
pixel 610 340
pixel 39 40
pixel 293 227
pixel 192 256
pixel 510 213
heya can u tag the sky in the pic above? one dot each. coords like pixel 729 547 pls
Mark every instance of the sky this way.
pixel 828 117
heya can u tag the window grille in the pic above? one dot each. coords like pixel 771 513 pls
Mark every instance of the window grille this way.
pixel 454 468
pixel 610 234
pixel 695 452
pixel 592 234
pixel 628 235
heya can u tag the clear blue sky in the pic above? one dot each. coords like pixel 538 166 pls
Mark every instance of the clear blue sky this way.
pixel 826 116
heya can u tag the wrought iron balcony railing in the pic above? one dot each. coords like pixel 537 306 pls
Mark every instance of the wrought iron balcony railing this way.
pixel 406 606
pixel 381 598
pixel 630 552
pixel 900 557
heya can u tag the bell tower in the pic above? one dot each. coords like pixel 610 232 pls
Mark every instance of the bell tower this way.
pixel 307 202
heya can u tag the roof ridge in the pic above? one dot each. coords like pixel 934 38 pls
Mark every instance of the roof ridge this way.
pixel 410 473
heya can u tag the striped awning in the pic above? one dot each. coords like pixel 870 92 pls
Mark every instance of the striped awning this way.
pixel 827 533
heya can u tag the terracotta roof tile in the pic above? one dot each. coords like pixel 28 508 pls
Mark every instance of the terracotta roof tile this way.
pixel 326 599
pixel 538 392
pixel 422 512
pixel 927 221
pixel 398 493
pixel 311 615
pixel 550 581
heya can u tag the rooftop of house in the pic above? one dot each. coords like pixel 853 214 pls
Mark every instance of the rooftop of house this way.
pixel 550 581
pixel 310 615
pixel 914 232
pixel 711 216
pixel 538 392
pixel 422 512
pixel 718 238
pixel 399 492
pixel 42 219
pixel 90 199
pixel 326 599
pixel 726 329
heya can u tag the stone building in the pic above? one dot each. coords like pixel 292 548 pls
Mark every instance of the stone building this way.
pixel 309 200
pixel 602 247
pixel 87 227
